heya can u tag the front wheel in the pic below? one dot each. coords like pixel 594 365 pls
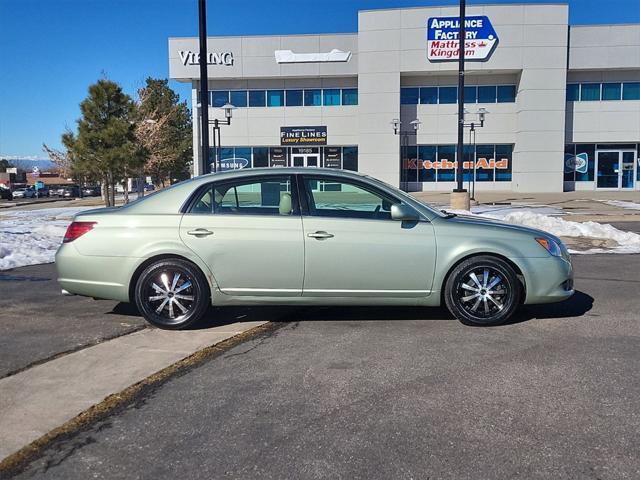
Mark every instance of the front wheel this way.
pixel 482 290
pixel 172 294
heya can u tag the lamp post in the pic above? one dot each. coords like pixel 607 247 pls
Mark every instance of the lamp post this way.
pixel 204 85
pixel 228 113
pixel 481 113
pixel 404 139
pixel 460 197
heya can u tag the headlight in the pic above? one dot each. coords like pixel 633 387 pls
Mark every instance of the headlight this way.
pixel 550 246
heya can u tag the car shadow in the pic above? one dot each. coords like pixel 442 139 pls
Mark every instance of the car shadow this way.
pixel 579 304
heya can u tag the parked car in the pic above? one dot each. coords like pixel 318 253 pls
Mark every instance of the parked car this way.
pixel 149 187
pixel 305 236
pixel 5 194
pixel 91 191
pixel 24 193
pixel 43 192
pixel 71 191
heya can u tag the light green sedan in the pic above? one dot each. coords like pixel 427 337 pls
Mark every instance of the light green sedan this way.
pixel 304 236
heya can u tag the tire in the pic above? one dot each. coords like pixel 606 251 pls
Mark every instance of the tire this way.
pixel 163 299
pixel 473 296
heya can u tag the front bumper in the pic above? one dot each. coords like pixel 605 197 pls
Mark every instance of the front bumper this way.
pixel 547 280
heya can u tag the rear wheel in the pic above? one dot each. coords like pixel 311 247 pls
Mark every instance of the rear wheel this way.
pixel 172 294
pixel 482 290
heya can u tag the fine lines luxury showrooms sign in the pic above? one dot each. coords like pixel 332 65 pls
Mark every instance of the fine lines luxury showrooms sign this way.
pixel 443 44
pixel 303 135
pixel 187 57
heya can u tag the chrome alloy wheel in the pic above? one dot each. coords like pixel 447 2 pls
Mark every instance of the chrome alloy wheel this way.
pixel 171 295
pixel 483 292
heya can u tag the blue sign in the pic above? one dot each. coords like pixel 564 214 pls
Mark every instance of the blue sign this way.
pixel 576 163
pixel 235 163
pixel 442 38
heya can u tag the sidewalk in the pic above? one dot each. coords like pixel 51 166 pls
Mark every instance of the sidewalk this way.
pixel 582 206
pixel 43 398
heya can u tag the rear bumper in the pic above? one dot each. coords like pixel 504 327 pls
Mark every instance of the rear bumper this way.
pixel 93 276
pixel 548 280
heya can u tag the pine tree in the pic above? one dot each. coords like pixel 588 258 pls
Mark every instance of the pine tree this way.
pixel 164 129
pixel 105 146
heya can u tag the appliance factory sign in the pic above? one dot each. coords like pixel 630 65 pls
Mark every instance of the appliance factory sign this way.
pixel 303 135
pixel 442 38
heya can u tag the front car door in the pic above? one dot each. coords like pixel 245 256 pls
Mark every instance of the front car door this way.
pixel 353 247
pixel 249 232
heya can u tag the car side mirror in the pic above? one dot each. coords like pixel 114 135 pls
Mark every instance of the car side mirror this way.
pixel 403 213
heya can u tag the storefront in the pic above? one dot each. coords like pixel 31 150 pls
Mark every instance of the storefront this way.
pixel 561 104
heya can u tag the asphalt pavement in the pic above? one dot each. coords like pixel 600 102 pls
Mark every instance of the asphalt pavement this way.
pixel 394 393
pixel 38 322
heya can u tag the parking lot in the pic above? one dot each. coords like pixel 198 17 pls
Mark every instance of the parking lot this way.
pixel 364 392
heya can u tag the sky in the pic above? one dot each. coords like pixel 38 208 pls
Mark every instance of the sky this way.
pixel 52 50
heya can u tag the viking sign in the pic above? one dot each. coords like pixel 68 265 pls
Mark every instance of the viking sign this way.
pixel 442 39
pixel 187 57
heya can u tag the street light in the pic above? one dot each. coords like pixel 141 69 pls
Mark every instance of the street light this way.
pixel 482 114
pixel 404 139
pixel 228 113
pixel 395 123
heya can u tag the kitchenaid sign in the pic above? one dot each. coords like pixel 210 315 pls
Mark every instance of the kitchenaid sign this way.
pixel 187 57
pixel 443 43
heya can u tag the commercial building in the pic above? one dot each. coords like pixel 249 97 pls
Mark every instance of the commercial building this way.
pixel 563 101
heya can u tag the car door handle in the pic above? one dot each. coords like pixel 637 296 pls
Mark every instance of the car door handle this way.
pixel 320 235
pixel 200 232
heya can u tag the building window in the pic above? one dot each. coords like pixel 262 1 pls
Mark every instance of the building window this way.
pixel 447 95
pixel 631 91
pixel 573 92
pixel 349 96
pixel 293 98
pixel 219 97
pixel 238 98
pixel 428 95
pixel 409 96
pixel 590 92
pixel 275 98
pixel 331 96
pixel 313 98
pixel 470 94
pixel 437 163
pixel 260 157
pixel 257 98
pixel 611 91
pixel 350 158
pixel 506 93
pixel 579 162
pixel 280 98
pixel 487 94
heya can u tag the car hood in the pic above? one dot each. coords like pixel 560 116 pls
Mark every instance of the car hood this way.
pixel 474 220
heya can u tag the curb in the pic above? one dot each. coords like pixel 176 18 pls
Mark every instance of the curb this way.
pixel 18 459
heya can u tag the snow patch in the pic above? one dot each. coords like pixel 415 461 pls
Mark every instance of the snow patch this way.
pixel 622 204
pixel 625 242
pixel 32 237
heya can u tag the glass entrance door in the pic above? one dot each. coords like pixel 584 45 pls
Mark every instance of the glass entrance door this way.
pixel 615 168
pixel 305 160
pixel 627 173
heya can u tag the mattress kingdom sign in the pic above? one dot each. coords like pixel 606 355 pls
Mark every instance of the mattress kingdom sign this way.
pixel 443 44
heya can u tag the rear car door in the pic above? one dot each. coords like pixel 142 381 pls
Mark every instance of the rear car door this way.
pixel 354 248
pixel 249 232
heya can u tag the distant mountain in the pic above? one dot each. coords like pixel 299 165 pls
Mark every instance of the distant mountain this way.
pixel 28 164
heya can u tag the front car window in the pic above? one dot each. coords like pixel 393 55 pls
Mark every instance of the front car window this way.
pixel 333 197
pixel 265 196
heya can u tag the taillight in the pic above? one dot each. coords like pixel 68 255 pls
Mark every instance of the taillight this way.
pixel 76 230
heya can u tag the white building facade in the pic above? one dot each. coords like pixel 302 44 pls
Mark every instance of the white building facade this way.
pixel 563 101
